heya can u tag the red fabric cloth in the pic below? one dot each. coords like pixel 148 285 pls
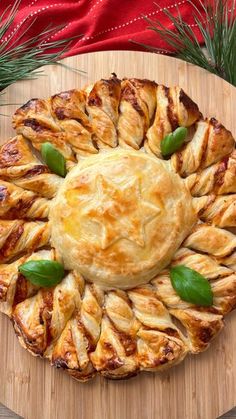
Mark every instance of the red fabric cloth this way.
pixel 104 24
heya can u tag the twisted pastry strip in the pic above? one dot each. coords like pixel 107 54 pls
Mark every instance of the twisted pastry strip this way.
pixel 217 210
pixel 219 179
pixel 102 106
pixel 160 343
pixel 150 311
pixel 229 261
pixel 14 287
pixel 117 112
pixel 18 236
pixel 40 320
pixel 115 354
pixel 67 353
pixel 69 110
pixel 136 333
pixel 133 332
pixel 159 351
pixel 212 240
pixel 204 264
pixel 222 282
pixel 202 324
pixel 201 327
pixel 35 122
pixel 20 166
pixel 16 203
pixel 65 326
pixel 61 120
pixel 36 179
pixel 79 338
pixel 220 244
pixel 16 152
pixel 211 142
pixel 69 105
pixel 173 108
pixel 137 106
pixel 110 357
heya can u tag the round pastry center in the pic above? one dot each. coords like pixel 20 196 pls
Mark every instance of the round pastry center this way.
pixel 119 217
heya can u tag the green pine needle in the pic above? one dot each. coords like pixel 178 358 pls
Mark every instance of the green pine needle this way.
pixel 217 25
pixel 21 59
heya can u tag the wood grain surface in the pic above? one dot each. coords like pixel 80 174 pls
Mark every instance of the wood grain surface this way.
pixel 204 386
pixel 5 413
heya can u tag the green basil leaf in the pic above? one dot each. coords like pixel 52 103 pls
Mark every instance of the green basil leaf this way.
pixel 43 273
pixel 53 159
pixel 191 286
pixel 173 141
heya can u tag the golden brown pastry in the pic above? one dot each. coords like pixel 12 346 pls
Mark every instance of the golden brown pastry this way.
pixel 20 166
pixel 217 210
pixel 36 123
pixel 210 143
pixel 105 114
pixel 79 338
pixel 102 104
pixel 16 202
pixel 20 236
pixel 121 218
pixel 218 179
pixel 120 213
pixel 14 287
pixel 137 106
pixel 173 109
pixel 40 319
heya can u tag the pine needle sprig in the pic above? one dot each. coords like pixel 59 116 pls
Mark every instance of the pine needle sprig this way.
pixel 21 59
pixel 217 26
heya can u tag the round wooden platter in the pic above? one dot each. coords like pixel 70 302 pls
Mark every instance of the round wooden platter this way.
pixel 202 387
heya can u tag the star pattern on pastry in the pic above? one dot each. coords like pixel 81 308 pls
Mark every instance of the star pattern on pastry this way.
pixel 121 211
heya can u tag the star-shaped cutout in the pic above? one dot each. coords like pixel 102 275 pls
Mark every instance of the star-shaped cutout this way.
pixel 120 210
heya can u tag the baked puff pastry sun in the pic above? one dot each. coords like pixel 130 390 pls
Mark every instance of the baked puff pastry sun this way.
pixel 119 221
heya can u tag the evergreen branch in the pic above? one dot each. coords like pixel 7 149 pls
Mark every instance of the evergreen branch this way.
pixel 217 25
pixel 22 59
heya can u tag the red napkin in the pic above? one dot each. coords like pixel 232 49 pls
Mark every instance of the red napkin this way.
pixel 104 24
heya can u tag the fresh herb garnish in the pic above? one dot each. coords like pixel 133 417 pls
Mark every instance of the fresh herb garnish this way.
pixel 217 24
pixel 53 159
pixel 43 273
pixel 173 141
pixel 191 286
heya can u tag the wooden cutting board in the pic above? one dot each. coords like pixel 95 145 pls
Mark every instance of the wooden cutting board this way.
pixel 204 386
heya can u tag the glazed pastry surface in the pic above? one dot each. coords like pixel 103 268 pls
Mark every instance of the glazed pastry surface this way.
pixel 117 225
pixel 119 220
